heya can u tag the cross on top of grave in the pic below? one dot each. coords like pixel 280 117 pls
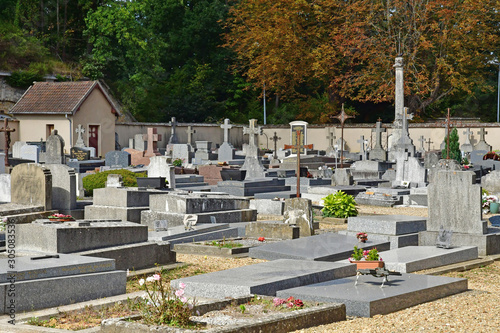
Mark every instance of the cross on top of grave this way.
pixel 275 139
pixel 361 142
pixel 152 138
pixel 79 141
pixel 422 141
pixel 342 117
pixel 7 132
pixel 190 131
pixel 298 146
pixel 173 136
pixel 429 144
pixel 467 136
pixel 331 136
pixel 226 127
pixel 252 132
pixel 482 132
pixel 378 134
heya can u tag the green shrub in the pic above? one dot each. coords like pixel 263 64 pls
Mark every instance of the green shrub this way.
pixel 340 205
pixel 98 180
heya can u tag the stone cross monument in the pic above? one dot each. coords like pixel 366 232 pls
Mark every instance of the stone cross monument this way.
pixel 79 141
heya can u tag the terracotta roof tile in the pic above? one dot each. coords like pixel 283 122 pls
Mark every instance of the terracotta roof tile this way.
pixel 53 97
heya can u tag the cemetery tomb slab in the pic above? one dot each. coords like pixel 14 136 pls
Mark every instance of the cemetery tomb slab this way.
pixel 59 237
pixel 396 241
pixel 367 299
pixel 263 279
pixel 324 247
pixel 180 231
pixel 487 244
pixel 387 224
pixel 415 258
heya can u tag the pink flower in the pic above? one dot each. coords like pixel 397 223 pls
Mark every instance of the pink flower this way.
pixel 179 293
pixel 278 301
pixel 290 305
pixel 157 277
pixel 182 285
pixel 365 252
pixel 184 299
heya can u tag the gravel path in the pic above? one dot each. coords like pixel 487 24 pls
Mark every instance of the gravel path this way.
pixel 477 310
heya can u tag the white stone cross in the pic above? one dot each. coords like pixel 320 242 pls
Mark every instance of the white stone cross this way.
pixel 226 127
pixel 79 141
pixel 252 132
pixel 331 137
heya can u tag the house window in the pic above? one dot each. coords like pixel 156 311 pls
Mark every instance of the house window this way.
pixel 48 132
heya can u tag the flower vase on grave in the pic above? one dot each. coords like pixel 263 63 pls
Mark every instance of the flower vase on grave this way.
pixel 362 237
pixel 368 264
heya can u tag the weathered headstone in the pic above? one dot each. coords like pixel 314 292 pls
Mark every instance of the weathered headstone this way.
pixel 362 147
pixel 482 144
pixel 190 131
pixel 378 152
pixel 409 169
pixel 252 163
pixel 298 211
pixel 139 142
pixel 226 150
pixel 55 149
pixel 4 185
pixel 30 153
pixel 181 151
pixel 2 163
pixel 330 150
pixel 404 143
pixel 31 184
pixel 63 186
pixel 422 144
pixel 117 158
pixel 79 154
pixel 79 141
pixel 467 146
pixel 491 182
pixel 114 180
pixel 159 167
pixel 342 176
pixel 203 152
pixel 16 148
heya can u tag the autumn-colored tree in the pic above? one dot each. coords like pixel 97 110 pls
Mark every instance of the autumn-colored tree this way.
pixel 349 46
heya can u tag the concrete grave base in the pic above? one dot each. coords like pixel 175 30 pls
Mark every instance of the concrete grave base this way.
pixel 486 244
pixel 387 224
pixel 176 219
pixel 415 258
pixel 263 279
pixel 367 299
pixel 130 214
pixel 272 229
pixel 324 247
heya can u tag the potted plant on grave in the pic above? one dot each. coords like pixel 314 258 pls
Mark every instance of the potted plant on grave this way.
pixel 366 259
pixel 60 217
pixel 362 237
pixel 490 203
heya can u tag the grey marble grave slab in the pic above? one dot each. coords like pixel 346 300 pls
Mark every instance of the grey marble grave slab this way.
pixel 28 268
pixel 367 299
pixel 263 279
pixel 324 247
pixel 396 241
pixel 387 224
pixel 181 232
pixel 415 258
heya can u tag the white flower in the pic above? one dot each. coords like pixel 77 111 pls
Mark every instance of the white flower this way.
pixel 141 282
pixel 150 279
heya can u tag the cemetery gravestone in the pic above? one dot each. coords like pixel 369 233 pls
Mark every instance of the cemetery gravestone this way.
pixel 80 154
pixel 377 152
pixel 114 180
pixel 79 141
pixel 467 146
pixel 298 211
pixel 117 159
pixel 16 148
pixel 159 167
pixel 173 136
pixel 139 142
pixel 30 153
pixel 31 184
pixel 2 163
pixel 226 150
pixel 152 138
pixel 63 187
pixel 482 144
pixel 252 163
pixel 55 149
pixel 300 126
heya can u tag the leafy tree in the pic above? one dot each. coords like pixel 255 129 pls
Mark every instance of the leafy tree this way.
pixel 455 152
pixel 350 46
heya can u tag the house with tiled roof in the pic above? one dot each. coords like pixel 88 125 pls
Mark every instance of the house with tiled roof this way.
pixel 63 106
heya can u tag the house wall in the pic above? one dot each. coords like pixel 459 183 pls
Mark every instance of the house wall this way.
pixel 96 110
pixel 34 127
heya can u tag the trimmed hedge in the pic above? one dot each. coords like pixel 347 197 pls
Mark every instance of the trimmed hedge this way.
pixel 98 180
